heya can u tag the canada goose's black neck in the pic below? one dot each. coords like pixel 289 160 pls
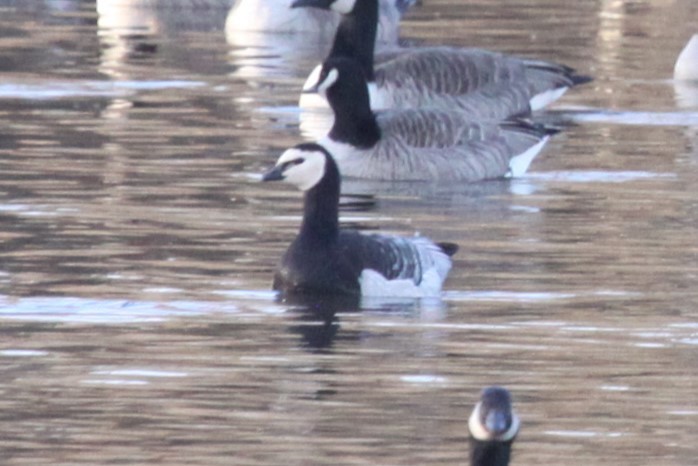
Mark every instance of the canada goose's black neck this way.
pixel 356 35
pixel 321 208
pixel 354 122
pixel 490 453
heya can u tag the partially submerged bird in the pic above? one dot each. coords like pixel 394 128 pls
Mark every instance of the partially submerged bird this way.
pixel 324 259
pixel 493 427
pixel 484 84
pixel 418 144
pixel 277 16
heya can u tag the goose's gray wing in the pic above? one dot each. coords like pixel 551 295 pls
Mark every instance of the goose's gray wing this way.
pixel 483 84
pixel 433 144
pixel 448 70
pixel 395 257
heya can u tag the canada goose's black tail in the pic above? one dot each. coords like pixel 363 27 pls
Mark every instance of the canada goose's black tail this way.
pixel 549 81
pixel 527 126
pixel 557 75
pixel 448 248
pixel 578 79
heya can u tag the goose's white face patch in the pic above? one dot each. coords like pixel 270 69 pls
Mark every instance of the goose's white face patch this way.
pixel 305 168
pixel 329 80
pixel 478 431
pixel 343 6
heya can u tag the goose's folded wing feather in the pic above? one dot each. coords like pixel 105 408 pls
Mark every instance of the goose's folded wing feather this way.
pixel 439 145
pixel 394 257
pixel 446 70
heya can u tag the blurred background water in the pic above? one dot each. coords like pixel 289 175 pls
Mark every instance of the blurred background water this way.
pixel 137 249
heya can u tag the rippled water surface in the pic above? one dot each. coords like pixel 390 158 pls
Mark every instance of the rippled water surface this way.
pixel 138 245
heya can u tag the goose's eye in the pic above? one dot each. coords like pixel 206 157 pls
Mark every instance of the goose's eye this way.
pixel 293 162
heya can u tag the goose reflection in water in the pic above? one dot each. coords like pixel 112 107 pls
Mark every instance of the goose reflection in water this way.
pixel 316 319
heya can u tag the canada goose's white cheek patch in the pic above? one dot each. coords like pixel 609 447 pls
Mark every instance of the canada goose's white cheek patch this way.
pixel 343 6
pixel 329 81
pixel 313 79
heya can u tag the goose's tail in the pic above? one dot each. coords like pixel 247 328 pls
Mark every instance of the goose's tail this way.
pixel 527 139
pixel 448 248
pixel 549 81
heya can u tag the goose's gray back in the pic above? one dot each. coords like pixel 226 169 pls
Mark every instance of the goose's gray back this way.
pixel 483 84
pixel 404 257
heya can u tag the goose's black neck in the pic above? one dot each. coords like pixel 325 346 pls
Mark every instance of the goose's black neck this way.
pixel 356 35
pixel 320 224
pixel 354 122
pixel 492 453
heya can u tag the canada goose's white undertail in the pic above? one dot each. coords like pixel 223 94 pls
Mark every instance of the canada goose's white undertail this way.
pixel 418 144
pixel 482 83
pixel 324 259
pixel 493 426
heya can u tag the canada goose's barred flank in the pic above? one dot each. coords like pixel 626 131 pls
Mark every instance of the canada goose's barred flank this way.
pixel 485 84
pixel 418 144
pixel 488 86
pixel 323 259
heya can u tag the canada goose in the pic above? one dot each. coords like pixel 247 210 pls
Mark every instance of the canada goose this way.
pixel 418 144
pixel 485 84
pixel 324 259
pixel 493 427
pixel 277 16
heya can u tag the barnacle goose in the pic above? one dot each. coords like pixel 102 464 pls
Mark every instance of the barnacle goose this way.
pixel 493 427
pixel 425 144
pixel 485 84
pixel 277 16
pixel 324 259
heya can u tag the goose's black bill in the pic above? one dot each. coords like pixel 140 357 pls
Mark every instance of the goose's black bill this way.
pixel 275 174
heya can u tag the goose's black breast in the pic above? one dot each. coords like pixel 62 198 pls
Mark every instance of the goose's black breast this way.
pixel 313 268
